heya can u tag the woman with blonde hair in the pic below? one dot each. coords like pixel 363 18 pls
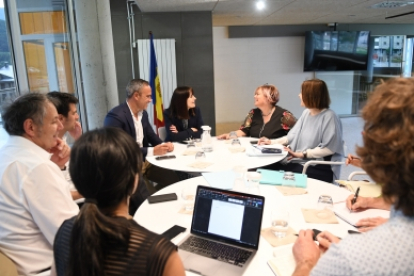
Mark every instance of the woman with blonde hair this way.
pixel 267 119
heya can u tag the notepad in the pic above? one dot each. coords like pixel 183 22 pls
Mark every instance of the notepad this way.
pixel 367 189
pixel 343 212
pixel 276 178
pixel 283 264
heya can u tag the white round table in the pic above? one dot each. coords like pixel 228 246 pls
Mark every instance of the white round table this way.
pixel 161 216
pixel 221 157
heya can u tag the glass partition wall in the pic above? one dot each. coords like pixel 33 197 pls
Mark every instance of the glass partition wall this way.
pixel 43 53
pixel 389 57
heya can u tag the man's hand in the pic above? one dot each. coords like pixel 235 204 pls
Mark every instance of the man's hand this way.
pixel 76 132
pixel 161 149
pixel 325 240
pixel 170 146
pixel 60 153
pixel 306 253
pixel 173 129
pixel 353 160
pixel 194 129
pixel 370 223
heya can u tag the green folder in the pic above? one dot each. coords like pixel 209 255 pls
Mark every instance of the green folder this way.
pixel 271 177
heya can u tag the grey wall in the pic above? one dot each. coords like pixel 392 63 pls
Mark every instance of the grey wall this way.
pixel 193 34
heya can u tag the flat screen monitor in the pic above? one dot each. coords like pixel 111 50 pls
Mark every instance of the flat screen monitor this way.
pixel 336 50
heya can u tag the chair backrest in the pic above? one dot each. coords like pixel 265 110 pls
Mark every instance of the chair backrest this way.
pixel 7 267
pixel 162 133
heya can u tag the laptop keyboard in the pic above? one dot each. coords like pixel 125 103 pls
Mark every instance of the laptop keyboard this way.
pixel 215 250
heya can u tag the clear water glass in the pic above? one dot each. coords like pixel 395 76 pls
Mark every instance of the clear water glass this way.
pixel 324 206
pixel 190 143
pixel 253 179
pixel 235 143
pixel 325 202
pixel 289 179
pixel 188 195
pixel 279 222
pixel 200 155
pixel 239 183
pixel 232 135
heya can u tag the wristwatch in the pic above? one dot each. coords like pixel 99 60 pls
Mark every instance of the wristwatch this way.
pixel 305 153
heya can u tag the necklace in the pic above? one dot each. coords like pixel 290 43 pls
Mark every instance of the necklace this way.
pixel 270 112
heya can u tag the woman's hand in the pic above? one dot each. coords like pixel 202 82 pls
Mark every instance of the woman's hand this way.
pixel 173 129
pixel 224 136
pixel 353 160
pixel 293 154
pixel 325 240
pixel 264 141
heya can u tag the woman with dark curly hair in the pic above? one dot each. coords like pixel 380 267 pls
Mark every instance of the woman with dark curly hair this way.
pixel 388 157
pixel 267 119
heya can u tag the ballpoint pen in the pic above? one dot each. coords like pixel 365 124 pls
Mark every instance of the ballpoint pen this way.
pixel 354 199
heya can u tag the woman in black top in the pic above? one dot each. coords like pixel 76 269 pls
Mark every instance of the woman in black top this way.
pixel 183 119
pixel 268 119
pixel 103 239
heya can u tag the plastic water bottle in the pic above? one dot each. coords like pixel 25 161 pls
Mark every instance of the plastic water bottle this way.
pixel 206 143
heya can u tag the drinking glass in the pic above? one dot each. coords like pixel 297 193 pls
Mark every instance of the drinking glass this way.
pixel 253 179
pixel 239 183
pixel 188 195
pixel 232 135
pixel 279 222
pixel 325 202
pixel 235 143
pixel 200 155
pixel 190 143
pixel 325 205
pixel 288 179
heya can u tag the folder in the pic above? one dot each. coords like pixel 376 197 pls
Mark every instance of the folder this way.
pixel 271 177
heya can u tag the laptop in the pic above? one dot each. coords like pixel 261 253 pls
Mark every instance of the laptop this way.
pixel 225 232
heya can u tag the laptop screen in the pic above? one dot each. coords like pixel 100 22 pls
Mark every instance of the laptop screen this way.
pixel 228 216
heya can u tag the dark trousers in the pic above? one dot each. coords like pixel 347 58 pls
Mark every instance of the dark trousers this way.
pixel 319 172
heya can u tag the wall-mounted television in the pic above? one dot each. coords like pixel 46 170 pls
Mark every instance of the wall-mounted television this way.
pixel 336 50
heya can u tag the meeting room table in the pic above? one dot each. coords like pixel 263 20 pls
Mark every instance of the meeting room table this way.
pixel 161 216
pixel 223 157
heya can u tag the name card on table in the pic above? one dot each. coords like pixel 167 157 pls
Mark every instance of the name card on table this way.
pixel 271 177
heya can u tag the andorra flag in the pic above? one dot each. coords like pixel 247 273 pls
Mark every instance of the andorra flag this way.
pixel 156 87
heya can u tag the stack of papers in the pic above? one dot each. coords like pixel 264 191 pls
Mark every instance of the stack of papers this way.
pixel 367 189
pixel 221 180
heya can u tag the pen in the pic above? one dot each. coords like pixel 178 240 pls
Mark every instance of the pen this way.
pixel 354 199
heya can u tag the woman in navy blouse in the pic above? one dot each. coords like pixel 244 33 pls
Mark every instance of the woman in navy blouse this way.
pixel 183 119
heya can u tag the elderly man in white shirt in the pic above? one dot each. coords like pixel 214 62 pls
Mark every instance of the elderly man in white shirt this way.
pixel 34 196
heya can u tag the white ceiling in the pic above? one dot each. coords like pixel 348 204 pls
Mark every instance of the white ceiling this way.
pixel 285 12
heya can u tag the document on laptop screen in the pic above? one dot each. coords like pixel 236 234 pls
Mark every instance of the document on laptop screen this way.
pixel 226 219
